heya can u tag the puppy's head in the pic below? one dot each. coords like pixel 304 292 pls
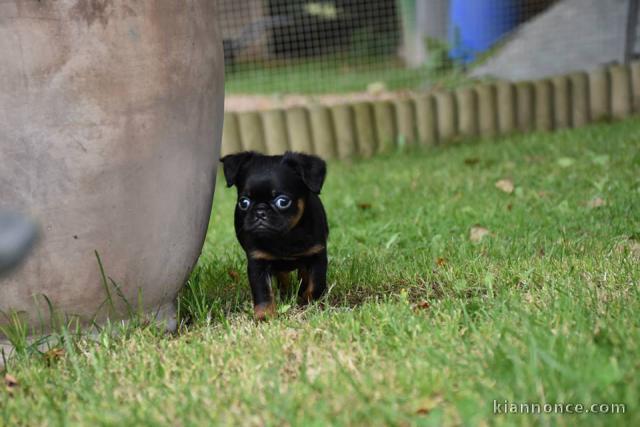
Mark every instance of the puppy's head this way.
pixel 272 190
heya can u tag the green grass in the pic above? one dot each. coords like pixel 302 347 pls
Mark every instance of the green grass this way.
pixel 421 327
pixel 325 75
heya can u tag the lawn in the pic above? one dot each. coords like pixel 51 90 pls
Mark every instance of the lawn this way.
pixel 447 293
pixel 327 75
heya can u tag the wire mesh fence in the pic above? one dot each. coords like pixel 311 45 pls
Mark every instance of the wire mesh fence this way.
pixel 338 46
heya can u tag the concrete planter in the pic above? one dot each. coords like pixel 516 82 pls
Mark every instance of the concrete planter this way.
pixel 110 125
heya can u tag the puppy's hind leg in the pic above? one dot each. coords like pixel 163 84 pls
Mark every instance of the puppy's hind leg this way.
pixel 313 279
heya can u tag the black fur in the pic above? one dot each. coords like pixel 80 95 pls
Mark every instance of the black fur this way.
pixel 280 240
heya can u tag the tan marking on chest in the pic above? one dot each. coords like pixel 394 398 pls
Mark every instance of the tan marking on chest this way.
pixel 262 255
pixel 313 250
pixel 266 256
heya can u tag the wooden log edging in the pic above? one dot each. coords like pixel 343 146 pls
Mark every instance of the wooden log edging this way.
pixel 322 132
pixel 276 139
pixel 345 130
pixel 427 118
pixel 486 110
pixel 599 94
pixel 466 105
pixel 507 107
pixel 406 121
pixel 561 102
pixel 364 129
pixel 543 100
pixel 579 99
pixel 385 123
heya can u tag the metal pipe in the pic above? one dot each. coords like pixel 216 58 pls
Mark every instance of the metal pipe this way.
pixel 631 31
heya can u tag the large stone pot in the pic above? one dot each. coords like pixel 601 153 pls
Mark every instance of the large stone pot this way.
pixel 110 125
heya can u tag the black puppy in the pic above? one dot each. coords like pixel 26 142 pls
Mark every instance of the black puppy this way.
pixel 280 223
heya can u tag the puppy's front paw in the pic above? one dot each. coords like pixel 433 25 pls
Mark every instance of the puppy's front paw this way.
pixel 264 311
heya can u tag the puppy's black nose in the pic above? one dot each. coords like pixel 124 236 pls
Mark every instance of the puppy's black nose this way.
pixel 261 213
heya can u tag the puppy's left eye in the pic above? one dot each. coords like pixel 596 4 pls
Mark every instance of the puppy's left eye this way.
pixel 282 202
pixel 244 203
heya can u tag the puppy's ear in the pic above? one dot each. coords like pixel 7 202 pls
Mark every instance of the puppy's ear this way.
pixel 312 169
pixel 232 165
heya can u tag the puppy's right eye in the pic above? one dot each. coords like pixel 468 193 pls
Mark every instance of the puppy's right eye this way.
pixel 244 203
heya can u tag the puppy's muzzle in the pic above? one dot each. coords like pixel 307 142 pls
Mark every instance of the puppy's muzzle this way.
pixel 260 214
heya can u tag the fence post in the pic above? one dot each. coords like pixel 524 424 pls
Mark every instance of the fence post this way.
pixel 631 32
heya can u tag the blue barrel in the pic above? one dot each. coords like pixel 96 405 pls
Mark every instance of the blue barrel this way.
pixel 476 25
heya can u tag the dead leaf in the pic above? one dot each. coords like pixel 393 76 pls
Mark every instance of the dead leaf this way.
pixel 10 380
pixel 376 88
pixel 471 161
pixel 509 207
pixel 234 275
pixel 634 248
pixel 477 233
pixel 422 305
pixel 428 404
pixel 565 162
pixel 534 159
pixel 630 246
pixel 440 262
pixel 505 185
pixel 54 354
pixel 364 206
pixel 596 202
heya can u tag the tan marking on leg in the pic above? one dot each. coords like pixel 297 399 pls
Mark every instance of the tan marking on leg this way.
pixel 264 311
pixel 296 219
